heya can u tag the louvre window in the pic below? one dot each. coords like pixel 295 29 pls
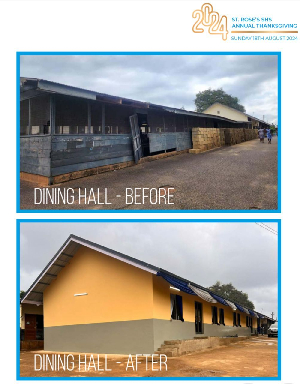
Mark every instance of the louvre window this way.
pixel 214 311
pixel 249 321
pixel 221 316
pixel 238 320
pixel 176 307
pixel 234 319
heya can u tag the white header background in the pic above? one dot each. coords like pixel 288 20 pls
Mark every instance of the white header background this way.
pixel 144 26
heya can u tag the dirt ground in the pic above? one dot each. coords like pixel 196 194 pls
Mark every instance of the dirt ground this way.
pixel 240 177
pixel 255 357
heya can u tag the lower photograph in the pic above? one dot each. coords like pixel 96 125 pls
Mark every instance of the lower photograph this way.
pixel 146 299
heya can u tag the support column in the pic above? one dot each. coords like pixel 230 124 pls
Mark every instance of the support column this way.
pixel 29 117
pixel 103 119
pixel 52 115
pixel 89 117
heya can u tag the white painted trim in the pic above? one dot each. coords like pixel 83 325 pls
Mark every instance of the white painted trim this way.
pixel 246 310
pixel 204 295
pixel 231 305
pixel 32 302
pixel 47 269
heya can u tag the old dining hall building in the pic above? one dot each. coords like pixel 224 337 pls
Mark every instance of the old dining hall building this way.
pixel 68 132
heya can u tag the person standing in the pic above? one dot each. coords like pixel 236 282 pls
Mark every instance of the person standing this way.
pixel 261 134
pixel 269 135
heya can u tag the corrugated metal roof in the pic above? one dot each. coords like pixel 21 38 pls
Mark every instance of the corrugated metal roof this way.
pixel 31 87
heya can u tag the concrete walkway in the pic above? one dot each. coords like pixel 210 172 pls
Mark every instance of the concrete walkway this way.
pixel 241 177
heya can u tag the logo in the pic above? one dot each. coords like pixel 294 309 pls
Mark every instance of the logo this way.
pixel 207 17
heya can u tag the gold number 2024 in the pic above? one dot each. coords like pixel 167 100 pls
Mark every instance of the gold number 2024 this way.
pixel 209 18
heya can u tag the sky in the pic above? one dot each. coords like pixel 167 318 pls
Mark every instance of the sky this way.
pixel 168 80
pixel 244 254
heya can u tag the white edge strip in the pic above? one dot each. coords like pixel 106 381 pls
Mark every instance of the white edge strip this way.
pixel 231 305
pixel 32 302
pixel 95 249
pixel 194 289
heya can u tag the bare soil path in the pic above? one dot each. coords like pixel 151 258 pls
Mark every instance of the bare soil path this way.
pixel 255 357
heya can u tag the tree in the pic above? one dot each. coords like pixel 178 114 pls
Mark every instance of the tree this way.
pixel 22 294
pixel 273 128
pixel 228 291
pixel 210 96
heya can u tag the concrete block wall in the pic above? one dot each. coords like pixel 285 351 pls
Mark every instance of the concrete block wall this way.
pixel 181 347
pixel 234 136
pixel 250 134
pixel 205 139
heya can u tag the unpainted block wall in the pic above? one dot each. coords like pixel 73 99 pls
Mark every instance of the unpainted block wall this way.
pixel 205 139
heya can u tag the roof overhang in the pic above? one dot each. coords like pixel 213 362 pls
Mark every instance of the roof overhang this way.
pixel 34 295
pixel 32 87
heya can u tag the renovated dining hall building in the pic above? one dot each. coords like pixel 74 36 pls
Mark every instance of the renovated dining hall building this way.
pixel 95 300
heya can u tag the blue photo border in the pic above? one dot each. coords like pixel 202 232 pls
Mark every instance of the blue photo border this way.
pixel 81 53
pixel 20 221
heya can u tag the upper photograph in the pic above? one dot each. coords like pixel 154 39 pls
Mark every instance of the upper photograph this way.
pixel 148 131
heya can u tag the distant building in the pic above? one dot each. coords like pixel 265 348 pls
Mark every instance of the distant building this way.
pixel 222 110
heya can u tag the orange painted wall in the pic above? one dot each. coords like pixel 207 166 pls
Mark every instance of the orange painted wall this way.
pixel 254 322
pixel 162 306
pixel 116 291
pixel 162 302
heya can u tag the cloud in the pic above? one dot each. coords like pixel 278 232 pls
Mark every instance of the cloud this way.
pixel 244 254
pixel 171 80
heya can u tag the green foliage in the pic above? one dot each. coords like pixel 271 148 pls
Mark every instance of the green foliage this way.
pixel 22 294
pixel 228 291
pixel 210 96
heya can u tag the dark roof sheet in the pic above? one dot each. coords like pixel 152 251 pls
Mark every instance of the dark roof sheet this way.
pixel 33 86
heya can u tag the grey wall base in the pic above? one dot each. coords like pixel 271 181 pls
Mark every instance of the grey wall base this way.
pixel 124 337
pixel 121 337
pixel 225 330
pixel 172 330
pixel 178 330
